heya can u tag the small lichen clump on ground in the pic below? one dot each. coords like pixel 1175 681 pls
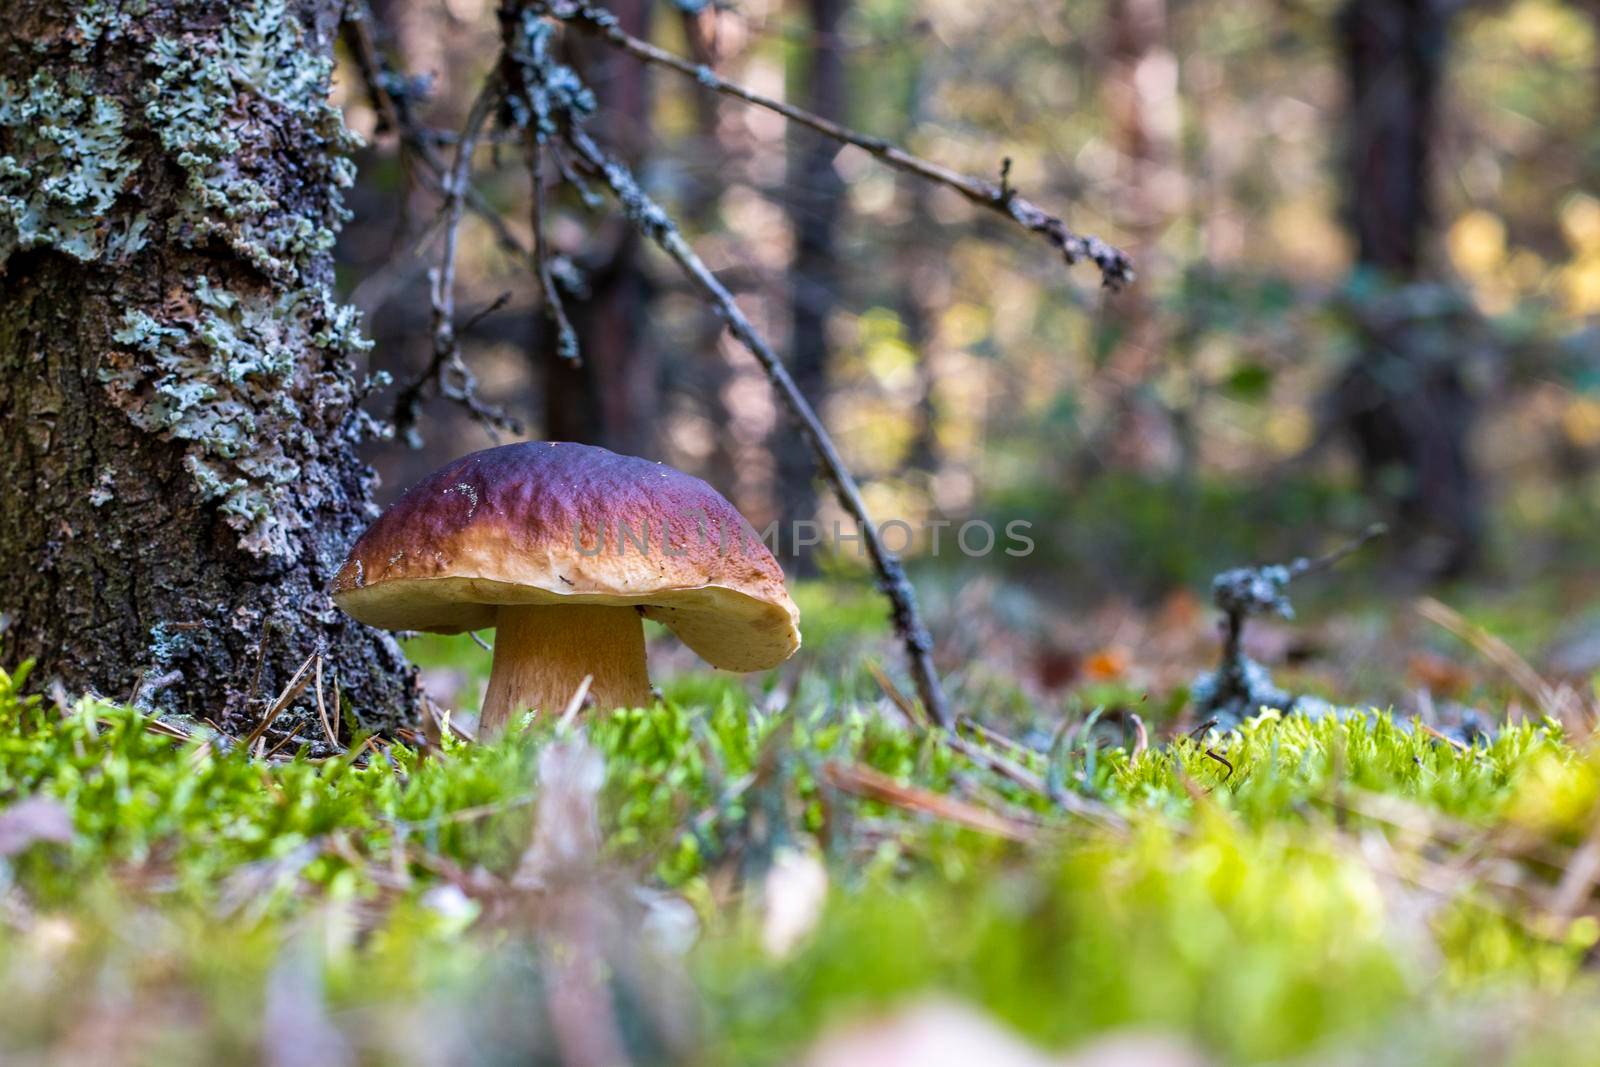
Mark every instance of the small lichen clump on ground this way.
pixel 1241 687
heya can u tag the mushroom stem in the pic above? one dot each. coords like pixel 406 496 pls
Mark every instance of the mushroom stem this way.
pixel 541 654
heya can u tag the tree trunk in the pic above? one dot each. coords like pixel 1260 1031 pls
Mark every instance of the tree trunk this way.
pixel 816 201
pixel 178 400
pixel 922 282
pixel 1140 93
pixel 1402 401
pixel 704 373
pixel 611 398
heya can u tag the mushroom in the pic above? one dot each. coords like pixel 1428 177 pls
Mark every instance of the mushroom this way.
pixel 563 549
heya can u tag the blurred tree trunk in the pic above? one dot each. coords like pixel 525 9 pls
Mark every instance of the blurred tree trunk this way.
pixel 918 279
pixel 1141 103
pixel 1403 401
pixel 612 398
pixel 921 272
pixel 709 372
pixel 178 401
pixel 816 201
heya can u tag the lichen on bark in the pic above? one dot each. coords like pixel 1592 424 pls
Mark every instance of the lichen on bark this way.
pixel 179 395
pixel 67 162
pixel 214 368
pixel 225 373
pixel 256 67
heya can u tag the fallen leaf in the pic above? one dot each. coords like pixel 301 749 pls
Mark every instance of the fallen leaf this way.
pixel 1106 664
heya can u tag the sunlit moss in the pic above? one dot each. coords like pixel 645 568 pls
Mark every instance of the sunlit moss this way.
pixel 1232 909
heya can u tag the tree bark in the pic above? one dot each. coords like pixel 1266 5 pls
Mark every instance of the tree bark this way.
pixel 178 393
pixel 816 202
pixel 1403 401
pixel 611 398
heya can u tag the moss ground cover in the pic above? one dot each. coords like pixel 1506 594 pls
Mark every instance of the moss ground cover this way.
pixel 1270 895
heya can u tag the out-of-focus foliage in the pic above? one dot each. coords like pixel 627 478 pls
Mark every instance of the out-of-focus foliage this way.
pixel 971 377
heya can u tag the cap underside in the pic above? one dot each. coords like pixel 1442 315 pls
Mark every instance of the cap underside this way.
pixel 726 628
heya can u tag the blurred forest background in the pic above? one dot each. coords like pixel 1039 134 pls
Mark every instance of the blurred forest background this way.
pixel 1368 243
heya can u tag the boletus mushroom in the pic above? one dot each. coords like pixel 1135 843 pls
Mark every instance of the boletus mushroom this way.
pixel 564 549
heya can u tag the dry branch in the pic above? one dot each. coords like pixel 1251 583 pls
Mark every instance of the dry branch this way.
pixel 1116 269
pixel 654 223
pixel 555 310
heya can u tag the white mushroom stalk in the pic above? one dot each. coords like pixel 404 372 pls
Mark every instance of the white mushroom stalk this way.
pixel 543 652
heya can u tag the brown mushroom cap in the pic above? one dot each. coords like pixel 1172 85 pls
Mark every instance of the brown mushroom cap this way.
pixel 523 524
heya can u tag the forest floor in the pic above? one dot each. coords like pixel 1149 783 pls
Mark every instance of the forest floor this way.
pixel 803 872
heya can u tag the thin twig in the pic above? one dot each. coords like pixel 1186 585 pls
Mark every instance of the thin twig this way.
pixel 554 309
pixel 1304 566
pixel 322 709
pixel 1116 269
pixel 495 305
pixel 283 742
pixel 575 704
pixel 655 224
pixel 993 736
pixel 446 360
pixel 296 685
pixel 415 139
pixel 908 707
pixel 1071 803
pixel 1455 743
pixel 864 781
pixel 1552 700
pixel 151 726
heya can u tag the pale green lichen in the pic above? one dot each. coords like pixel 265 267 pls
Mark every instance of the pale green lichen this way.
pixel 251 370
pixel 222 106
pixel 65 162
pixel 224 372
pixel 97 20
pixel 105 488
pixel 548 91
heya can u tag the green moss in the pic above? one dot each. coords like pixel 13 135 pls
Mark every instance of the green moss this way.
pixel 1243 914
